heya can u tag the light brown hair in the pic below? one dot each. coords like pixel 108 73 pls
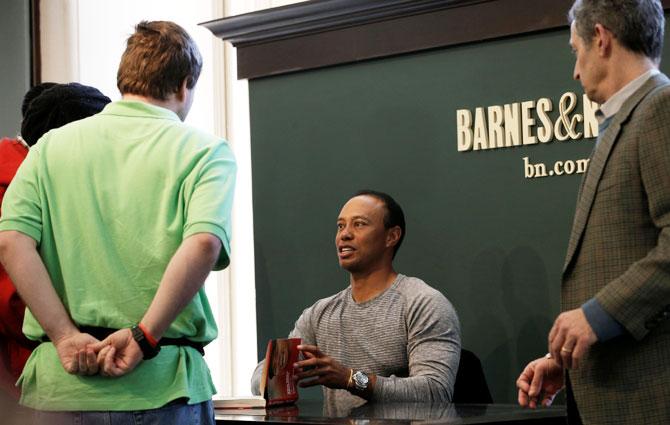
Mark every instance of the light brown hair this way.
pixel 159 56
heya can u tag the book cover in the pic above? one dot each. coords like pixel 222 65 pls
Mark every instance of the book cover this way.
pixel 277 384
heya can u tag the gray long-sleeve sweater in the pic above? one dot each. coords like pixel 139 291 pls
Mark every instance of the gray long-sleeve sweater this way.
pixel 409 336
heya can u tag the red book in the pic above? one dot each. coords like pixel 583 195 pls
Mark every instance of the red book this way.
pixel 277 384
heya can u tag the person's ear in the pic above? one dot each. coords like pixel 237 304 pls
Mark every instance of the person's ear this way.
pixel 183 89
pixel 393 236
pixel 603 39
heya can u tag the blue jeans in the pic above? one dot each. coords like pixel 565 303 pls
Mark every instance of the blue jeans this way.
pixel 174 413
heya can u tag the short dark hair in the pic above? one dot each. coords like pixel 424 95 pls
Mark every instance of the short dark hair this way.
pixel 159 56
pixel 393 216
pixel 58 105
pixel 637 24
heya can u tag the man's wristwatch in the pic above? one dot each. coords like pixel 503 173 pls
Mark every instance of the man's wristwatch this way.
pixel 148 351
pixel 361 380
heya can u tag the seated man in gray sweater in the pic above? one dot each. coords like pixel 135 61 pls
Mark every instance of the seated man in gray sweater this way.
pixel 386 337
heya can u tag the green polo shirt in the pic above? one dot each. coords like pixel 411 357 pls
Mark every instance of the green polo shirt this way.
pixel 109 199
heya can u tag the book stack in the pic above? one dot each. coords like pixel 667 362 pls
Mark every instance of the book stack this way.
pixel 248 405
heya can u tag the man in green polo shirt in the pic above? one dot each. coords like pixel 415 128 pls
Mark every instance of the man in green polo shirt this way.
pixel 109 230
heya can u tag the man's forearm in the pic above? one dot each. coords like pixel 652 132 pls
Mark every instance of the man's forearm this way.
pixel 411 389
pixel 19 256
pixel 184 276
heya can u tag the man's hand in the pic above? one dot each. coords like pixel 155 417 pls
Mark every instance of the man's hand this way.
pixel 324 369
pixel 76 355
pixel 118 354
pixel 541 380
pixel 570 338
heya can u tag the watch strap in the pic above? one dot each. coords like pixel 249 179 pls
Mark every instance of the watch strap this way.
pixel 148 351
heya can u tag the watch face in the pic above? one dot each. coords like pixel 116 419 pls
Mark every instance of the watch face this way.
pixel 360 380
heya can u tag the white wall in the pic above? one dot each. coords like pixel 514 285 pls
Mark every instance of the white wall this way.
pixel 243 291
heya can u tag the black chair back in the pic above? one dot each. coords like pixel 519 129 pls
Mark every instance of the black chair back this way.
pixel 470 386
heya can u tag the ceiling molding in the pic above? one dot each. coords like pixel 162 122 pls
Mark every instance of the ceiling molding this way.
pixel 317 16
pixel 322 33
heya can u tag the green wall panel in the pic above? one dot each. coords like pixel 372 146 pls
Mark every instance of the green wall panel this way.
pixel 490 239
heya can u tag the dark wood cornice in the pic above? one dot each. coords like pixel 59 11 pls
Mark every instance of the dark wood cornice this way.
pixel 319 15
pixel 321 33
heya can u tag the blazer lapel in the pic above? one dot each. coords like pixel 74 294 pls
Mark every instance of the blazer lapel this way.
pixel 598 161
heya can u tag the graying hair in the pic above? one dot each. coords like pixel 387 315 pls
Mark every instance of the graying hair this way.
pixel 637 24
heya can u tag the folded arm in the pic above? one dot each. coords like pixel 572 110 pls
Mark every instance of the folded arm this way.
pixel 184 276
pixel 19 256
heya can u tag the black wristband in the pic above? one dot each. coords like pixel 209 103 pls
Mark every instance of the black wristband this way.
pixel 148 352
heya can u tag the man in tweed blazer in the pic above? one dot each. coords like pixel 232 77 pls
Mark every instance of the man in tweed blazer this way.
pixel 611 344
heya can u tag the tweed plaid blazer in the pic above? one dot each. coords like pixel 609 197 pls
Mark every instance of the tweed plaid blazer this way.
pixel 619 252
